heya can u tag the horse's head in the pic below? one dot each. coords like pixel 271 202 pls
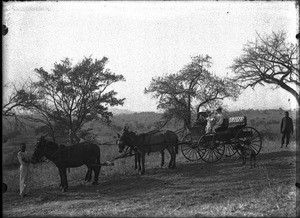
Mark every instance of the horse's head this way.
pixel 123 139
pixel 39 150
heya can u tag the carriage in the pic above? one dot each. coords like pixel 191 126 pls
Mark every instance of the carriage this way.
pixel 211 147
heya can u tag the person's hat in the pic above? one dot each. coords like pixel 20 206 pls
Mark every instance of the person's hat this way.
pixel 219 109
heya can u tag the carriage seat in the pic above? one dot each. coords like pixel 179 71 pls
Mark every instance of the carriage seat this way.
pixel 224 125
pixel 237 122
pixel 231 124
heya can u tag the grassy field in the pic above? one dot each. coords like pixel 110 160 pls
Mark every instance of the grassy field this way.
pixel 193 189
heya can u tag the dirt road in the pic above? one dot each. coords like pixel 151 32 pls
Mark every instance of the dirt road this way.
pixel 193 189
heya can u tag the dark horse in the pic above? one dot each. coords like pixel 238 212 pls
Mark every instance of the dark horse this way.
pixel 83 153
pixel 137 156
pixel 146 143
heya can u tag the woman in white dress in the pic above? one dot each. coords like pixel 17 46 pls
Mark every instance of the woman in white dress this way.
pixel 210 122
pixel 24 160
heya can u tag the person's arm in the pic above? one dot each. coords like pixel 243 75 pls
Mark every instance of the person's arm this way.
pixel 281 123
pixel 292 126
pixel 219 120
pixel 22 159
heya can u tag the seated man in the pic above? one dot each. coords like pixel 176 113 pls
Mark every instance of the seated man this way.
pixel 219 120
pixel 201 119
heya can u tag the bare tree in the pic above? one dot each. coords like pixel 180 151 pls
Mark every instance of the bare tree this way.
pixel 269 60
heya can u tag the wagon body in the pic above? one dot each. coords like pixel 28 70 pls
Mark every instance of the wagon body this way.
pixel 210 147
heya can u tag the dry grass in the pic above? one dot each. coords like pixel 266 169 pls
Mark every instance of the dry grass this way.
pixel 193 189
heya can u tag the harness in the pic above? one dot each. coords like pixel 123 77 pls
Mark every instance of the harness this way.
pixel 149 145
pixel 58 153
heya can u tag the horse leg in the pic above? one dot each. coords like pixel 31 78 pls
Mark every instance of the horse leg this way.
pixel 143 162
pixel 171 160
pixel 61 178
pixel 65 179
pixel 139 161
pixel 174 159
pixel 244 159
pixel 96 172
pixel 135 161
pixel 162 158
pixel 88 175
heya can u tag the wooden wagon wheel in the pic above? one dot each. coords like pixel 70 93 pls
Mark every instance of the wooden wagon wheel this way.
pixel 229 151
pixel 189 148
pixel 250 138
pixel 210 148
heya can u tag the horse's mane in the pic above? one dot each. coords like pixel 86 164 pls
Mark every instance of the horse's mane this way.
pixel 52 144
pixel 137 137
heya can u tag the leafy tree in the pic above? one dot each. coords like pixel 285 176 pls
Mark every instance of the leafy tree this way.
pixel 269 60
pixel 181 94
pixel 70 96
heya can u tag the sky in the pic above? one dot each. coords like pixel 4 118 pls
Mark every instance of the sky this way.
pixel 143 40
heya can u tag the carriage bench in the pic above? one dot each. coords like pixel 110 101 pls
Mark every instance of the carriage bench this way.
pixel 235 123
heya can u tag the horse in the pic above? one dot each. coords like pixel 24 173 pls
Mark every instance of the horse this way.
pixel 83 153
pixel 137 156
pixel 146 143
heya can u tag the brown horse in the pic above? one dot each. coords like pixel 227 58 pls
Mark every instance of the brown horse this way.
pixel 83 153
pixel 146 143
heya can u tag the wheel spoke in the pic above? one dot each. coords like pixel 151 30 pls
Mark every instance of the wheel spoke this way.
pixel 253 140
pixel 189 151
pixel 205 154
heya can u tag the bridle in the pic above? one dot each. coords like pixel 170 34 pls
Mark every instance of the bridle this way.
pixel 42 154
pixel 124 143
pixel 127 143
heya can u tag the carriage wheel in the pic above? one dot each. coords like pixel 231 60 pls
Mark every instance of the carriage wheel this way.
pixel 189 148
pixel 229 151
pixel 250 138
pixel 210 148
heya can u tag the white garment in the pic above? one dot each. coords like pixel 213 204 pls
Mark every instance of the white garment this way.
pixel 209 124
pixel 219 119
pixel 24 172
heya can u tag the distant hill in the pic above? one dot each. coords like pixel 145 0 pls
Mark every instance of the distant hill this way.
pixel 120 111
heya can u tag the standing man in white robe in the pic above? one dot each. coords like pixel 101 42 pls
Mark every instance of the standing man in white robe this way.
pixel 24 160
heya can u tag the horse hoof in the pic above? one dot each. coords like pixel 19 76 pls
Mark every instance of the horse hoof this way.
pixel 142 173
pixel 95 183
